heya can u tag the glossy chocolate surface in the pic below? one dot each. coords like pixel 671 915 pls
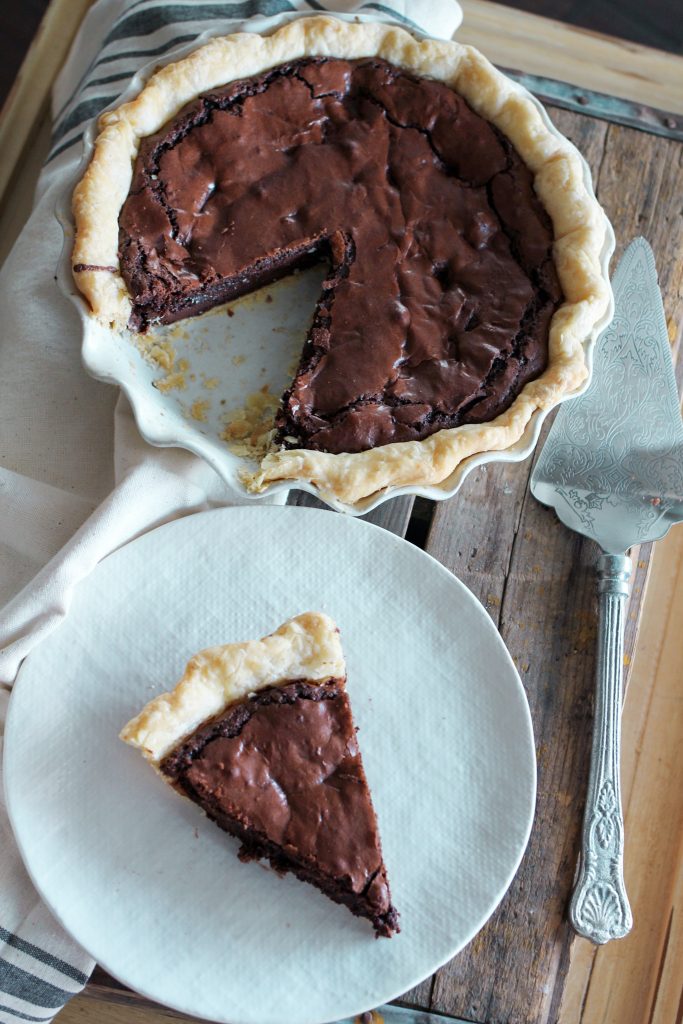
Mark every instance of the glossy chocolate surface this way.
pixel 283 771
pixel 441 288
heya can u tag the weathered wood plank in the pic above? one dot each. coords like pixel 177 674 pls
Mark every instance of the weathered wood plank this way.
pixel 392 515
pixel 547 621
pixel 590 60
pixel 477 548
pixel 30 93
pixel 515 969
pixel 83 1009
pixel 641 187
pixel 16 205
pixel 639 978
pixel 498 570
pixel 638 958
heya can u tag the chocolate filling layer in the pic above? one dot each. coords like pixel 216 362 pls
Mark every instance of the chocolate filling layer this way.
pixel 282 772
pixel 441 288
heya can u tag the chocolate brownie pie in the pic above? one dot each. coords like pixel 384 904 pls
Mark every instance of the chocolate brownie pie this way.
pixel 462 242
pixel 260 735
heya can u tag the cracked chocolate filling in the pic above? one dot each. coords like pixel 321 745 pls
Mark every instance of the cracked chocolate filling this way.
pixel 441 288
pixel 282 771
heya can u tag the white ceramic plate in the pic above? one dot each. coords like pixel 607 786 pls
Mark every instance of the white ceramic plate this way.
pixel 151 888
pixel 259 347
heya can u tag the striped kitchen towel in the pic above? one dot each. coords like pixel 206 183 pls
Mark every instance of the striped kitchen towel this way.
pixel 40 965
pixel 76 480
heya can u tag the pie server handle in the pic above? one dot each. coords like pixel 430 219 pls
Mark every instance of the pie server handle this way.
pixel 599 907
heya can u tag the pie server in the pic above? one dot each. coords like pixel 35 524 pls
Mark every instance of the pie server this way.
pixel 612 468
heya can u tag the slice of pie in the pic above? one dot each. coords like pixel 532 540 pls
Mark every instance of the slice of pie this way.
pixel 260 735
pixel 462 238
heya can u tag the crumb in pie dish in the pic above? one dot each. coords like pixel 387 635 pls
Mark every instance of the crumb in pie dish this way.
pixel 462 244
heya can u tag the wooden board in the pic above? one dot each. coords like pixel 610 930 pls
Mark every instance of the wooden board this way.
pixel 29 99
pixel 590 60
pixel 640 979
pixel 535 578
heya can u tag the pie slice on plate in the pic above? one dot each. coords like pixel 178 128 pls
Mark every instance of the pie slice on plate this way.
pixel 260 735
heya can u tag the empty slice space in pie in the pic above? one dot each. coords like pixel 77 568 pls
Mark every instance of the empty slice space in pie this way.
pixel 441 284
pixel 261 736
pixel 462 249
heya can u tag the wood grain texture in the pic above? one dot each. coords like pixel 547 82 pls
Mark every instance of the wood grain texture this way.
pixel 392 515
pixel 29 98
pixel 543 605
pixel 18 25
pixel 660 26
pixel 640 978
pixel 16 204
pixel 86 1010
pixel 536 579
pixel 541 46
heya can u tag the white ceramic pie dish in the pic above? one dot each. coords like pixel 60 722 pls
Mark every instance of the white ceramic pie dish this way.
pixel 230 359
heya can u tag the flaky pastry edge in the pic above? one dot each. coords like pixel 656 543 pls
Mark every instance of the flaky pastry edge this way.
pixel 579 227
pixel 306 647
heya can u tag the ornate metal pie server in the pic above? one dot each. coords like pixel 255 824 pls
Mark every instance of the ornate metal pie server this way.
pixel 612 468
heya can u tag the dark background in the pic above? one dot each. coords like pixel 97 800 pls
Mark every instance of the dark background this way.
pixel 657 23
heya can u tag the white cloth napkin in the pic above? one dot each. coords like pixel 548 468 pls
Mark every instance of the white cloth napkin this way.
pixel 76 479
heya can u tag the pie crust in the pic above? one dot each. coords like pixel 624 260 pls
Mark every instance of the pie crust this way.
pixel 579 227
pixel 305 648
